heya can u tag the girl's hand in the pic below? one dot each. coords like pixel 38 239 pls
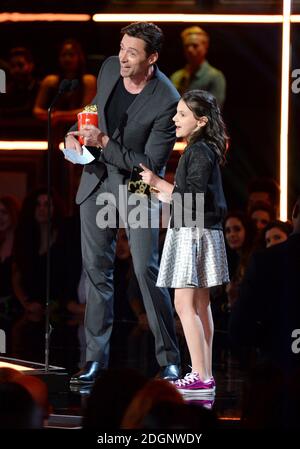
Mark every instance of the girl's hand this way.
pixel 148 176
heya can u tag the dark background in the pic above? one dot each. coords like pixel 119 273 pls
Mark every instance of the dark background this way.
pixel 249 55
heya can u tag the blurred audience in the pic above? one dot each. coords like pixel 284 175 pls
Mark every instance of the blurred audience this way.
pixel 22 85
pixel 153 393
pixel 30 253
pixel 39 392
pixel 261 213
pixel 198 73
pixel 266 190
pixel 110 397
pixel 240 237
pixel 34 385
pixel 71 66
pixel 267 310
pixel 18 409
pixel 8 374
pixel 277 232
pixel 9 212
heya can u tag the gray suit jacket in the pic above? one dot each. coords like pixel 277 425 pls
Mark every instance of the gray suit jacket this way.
pixel 145 135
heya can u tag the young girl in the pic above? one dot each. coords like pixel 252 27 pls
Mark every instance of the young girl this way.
pixel 194 259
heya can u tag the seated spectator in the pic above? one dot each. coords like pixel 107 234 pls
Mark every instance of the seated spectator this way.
pixel 110 397
pixel 265 317
pixel 22 85
pixel 239 234
pixel 277 232
pixel 30 253
pixel 39 392
pixel 153 393
pixel 267 310
pixel 198 73
pixel 71 66
pixel 35 386
pixel 261 213
pixel 9 212
pixel 18 410
pixel 8 374
pixel 266 190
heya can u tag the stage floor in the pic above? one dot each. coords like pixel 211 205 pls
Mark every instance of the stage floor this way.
pixel 132 346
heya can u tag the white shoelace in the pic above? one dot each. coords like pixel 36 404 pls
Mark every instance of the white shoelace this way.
pixel 188 379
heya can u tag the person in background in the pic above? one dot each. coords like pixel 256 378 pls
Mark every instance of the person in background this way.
pixel 18 409
pixel 155 391
pixel 261 213
pixel 194 259
pixel 266 190
pixel 30 251
pixel 22 86
pixel 240 236
pixel 266 316
pixel 277 232
pixel 71 66
pixel 110 396
pixel 198 73
pixel 9 213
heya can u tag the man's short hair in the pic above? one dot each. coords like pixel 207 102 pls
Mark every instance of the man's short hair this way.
pixel 194 30
pixel 264 184
pixel 150 33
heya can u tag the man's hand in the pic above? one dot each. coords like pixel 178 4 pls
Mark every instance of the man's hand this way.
pixel 73 144
pixel 92 136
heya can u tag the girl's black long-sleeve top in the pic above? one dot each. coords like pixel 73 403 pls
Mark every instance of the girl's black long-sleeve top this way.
pixel 198 171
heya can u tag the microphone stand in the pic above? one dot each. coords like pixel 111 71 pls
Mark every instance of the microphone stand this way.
pixel 63 87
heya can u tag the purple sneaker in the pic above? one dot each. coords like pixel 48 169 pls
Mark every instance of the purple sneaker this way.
pixel 213 382
pixel 192 383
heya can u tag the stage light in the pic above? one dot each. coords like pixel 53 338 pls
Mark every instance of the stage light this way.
pixel 190 18
pixel 284 125
pixel 285 19
pixel 16 366
pixel 295 18
pixel 179 146
pixel 23 145
pixel 46 17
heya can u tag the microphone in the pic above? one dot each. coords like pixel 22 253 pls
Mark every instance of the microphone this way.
pixel 74 84
pixel 64 86
pixel 67 85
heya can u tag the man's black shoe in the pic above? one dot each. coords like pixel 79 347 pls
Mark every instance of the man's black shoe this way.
pixel 88 374
pixel 82 389
pixel 169 372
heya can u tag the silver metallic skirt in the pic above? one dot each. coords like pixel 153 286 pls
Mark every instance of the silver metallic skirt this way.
pixel 193 258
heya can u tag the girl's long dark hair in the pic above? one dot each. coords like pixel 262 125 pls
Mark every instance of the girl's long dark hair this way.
pixel 203 103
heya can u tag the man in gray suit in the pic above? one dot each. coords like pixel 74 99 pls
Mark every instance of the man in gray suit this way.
pixel 136 103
